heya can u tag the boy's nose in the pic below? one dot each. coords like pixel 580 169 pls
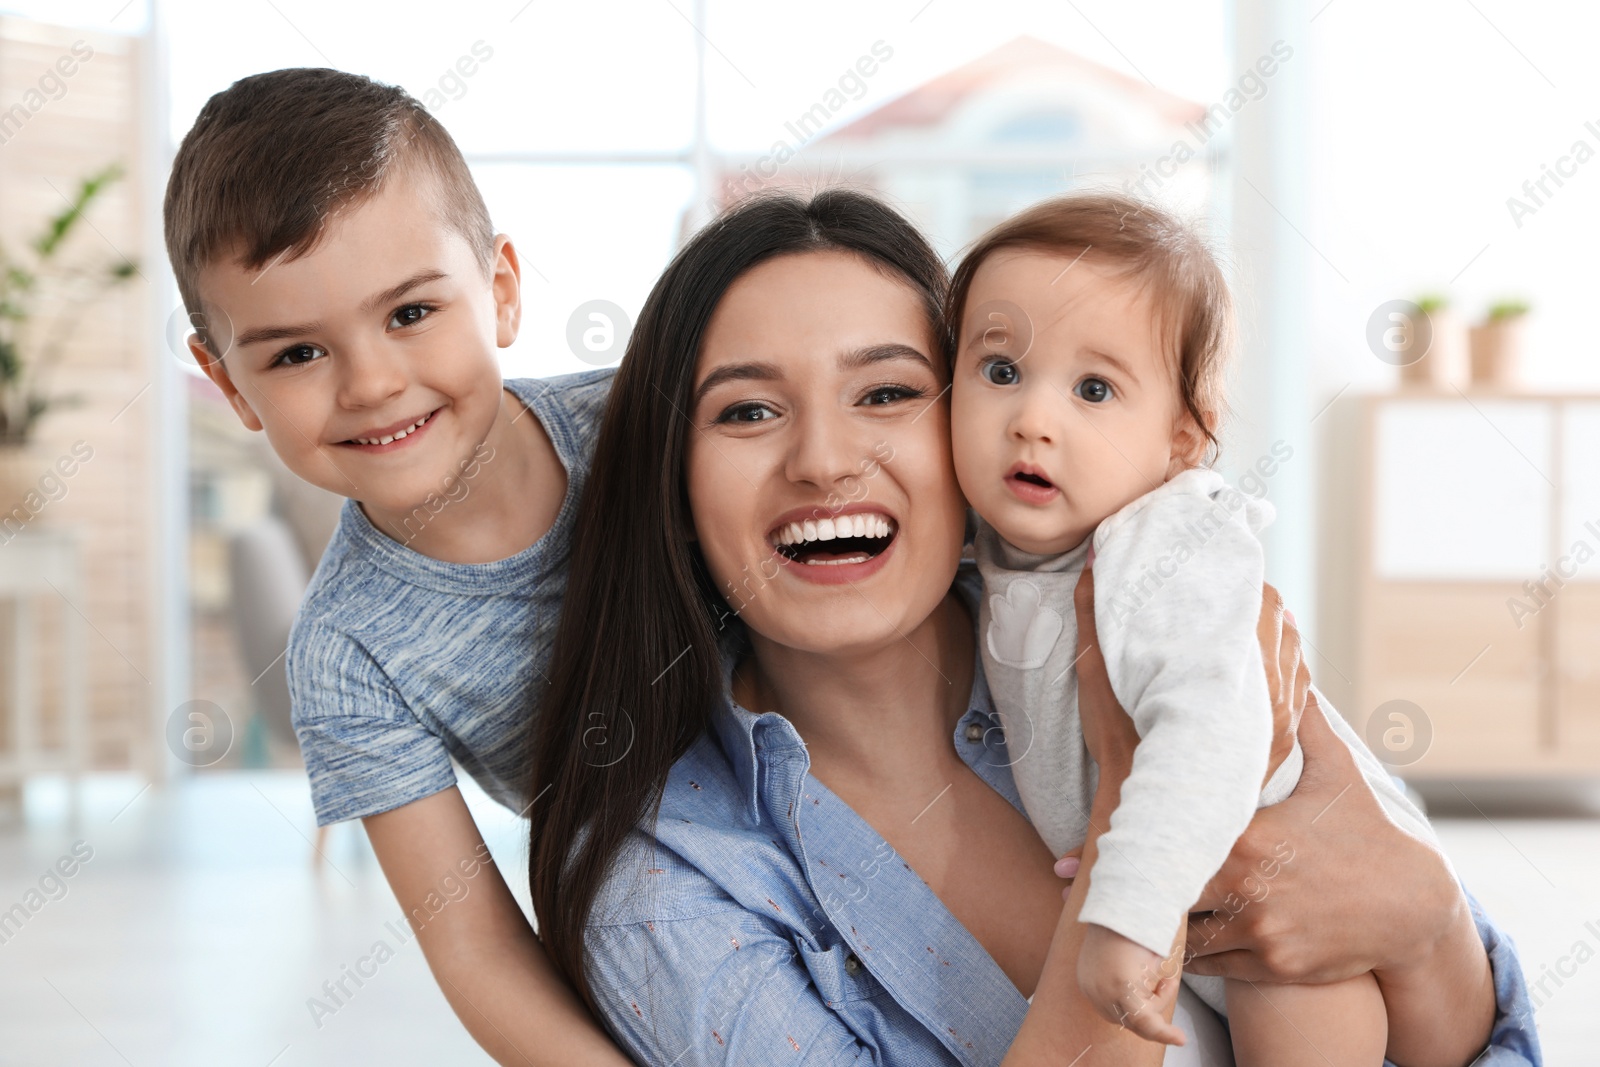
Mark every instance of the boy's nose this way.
pixel 368 377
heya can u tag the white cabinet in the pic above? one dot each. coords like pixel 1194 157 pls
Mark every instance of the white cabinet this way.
pixel 1461 563
pixel 1463 489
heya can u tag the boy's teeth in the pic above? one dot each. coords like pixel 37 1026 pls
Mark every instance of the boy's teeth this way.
pixel 395 436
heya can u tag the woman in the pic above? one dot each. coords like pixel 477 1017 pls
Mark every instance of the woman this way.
pixel 828 874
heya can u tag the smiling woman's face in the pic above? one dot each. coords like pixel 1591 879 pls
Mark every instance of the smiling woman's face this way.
pixel 819 469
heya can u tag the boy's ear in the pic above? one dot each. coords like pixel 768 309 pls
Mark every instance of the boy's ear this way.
pixel 506 284
pixel 211 364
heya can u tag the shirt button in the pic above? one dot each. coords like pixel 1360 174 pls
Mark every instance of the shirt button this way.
pixel 852 966
pixel 974 732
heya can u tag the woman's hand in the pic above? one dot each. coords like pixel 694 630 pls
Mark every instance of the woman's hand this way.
pixel 1325 886
pixel 1108 731
pixel 1295 900
pixel 1288 679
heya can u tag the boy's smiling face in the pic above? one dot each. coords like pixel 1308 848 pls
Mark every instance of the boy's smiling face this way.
pixel 389 326
pixel 1064 404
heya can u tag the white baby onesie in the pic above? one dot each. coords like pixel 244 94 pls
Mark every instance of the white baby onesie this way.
pixel 1178 576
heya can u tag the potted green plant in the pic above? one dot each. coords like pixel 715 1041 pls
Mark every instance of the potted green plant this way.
pixel 1444 363
pixel 1497 346
pixel 42 304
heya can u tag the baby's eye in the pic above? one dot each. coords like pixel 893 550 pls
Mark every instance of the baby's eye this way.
pixel 297 356
pixel 748 412
pixel 1094 390
pixel 997 370
pixel 409 315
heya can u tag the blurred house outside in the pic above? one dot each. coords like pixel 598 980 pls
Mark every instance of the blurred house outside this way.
pixel 971 147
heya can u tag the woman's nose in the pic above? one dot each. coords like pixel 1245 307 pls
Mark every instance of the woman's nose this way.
pixel 825 450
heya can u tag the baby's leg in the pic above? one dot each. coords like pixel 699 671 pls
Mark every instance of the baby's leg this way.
pixel 1339 1025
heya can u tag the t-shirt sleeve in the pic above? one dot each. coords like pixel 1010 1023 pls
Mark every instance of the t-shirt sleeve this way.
pixel 365 751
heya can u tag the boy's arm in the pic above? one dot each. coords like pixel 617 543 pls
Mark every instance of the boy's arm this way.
pixel 485 956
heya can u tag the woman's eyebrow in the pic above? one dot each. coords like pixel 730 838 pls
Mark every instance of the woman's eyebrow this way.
pixel 893 350
pixel 738 372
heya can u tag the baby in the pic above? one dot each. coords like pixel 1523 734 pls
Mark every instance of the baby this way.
pixel 1091 336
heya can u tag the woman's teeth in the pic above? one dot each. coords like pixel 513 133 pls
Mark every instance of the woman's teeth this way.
pixel 800 533
pixel 394 436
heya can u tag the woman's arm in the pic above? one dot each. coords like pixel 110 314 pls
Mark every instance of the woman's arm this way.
pixel 485 956
pixel 1356 893
pixel 1061 1025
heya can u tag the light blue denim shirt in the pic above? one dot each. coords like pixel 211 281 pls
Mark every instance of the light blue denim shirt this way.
pixel 766 922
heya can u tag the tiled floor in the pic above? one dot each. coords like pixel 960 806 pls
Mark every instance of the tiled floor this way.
pixel 199 931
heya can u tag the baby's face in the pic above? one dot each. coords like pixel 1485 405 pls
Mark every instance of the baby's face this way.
pixel 1064 407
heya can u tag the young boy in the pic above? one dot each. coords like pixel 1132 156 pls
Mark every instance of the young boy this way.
pixel 350 294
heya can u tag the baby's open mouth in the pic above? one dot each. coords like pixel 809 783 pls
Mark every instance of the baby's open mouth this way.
pixel 1034 479
pixel 834 540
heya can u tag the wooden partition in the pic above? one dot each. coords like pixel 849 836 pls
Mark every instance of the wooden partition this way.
pixel 1461 549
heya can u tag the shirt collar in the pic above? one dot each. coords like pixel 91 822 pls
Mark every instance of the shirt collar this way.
pixel 749 738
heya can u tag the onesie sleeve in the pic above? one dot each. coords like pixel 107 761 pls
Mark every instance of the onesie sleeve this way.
pixel 1177 596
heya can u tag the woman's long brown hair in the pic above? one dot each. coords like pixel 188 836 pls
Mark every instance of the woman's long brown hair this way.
pixel 636 673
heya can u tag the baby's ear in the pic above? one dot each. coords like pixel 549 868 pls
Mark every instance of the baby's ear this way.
pixel 1189 442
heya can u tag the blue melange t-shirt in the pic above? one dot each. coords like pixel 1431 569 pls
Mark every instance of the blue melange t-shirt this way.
pixel 398 662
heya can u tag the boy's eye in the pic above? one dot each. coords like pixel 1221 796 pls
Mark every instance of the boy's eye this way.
pixel 751 411
pixel 409 315
pixel 297 356
pixel 880 395
pixel 998 370
pixel 1094 390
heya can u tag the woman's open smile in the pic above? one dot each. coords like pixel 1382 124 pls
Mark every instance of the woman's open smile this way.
pixel 830 546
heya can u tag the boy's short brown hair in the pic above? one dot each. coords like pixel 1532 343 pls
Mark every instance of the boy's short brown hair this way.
pixel 1182 278
pixel 274 155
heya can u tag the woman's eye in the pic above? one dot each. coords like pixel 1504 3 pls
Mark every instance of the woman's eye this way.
pixel 1094 390
pixel 409 315
pixel 890 394
pixel 297 356
pixel 1000 371
pixel 749 412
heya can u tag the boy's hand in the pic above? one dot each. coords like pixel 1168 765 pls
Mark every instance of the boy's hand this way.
pixel 1128 984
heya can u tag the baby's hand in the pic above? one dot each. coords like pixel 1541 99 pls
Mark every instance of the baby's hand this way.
pixel 1128 984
